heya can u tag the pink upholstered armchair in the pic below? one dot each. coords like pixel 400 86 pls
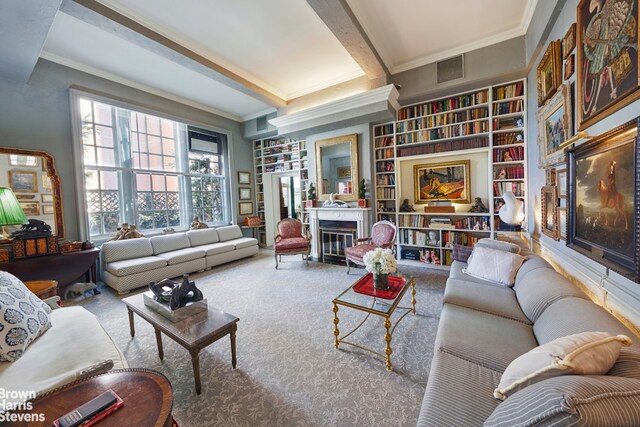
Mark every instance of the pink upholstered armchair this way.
pixel 291 241
pixel 383 235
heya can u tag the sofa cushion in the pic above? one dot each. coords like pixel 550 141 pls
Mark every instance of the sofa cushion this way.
pixel 218 248
pixel 498 245
pixel 494 265
pixel 294 243
pixel 456 272
pixel 229 232
pixel 244 242
pixel 135 265
pixel 531 263
pixel 203 237
pixel 169 242
pixel 586 353
pixel 125 249
pixel 23 317
pixel 572 400
pixel 539 290
pixel 182 255
pixel 498 300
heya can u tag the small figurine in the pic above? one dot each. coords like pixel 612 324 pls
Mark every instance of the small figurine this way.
pixel 478 206
pixel 121 231
pixel 502 174
pixel 133 233
pixel 196 224
pixel 406 207
pixel 506 157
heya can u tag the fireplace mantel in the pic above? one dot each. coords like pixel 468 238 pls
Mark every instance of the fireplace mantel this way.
pixel 359 215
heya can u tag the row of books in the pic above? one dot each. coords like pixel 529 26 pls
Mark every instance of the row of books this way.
pixel 442 146
pixel 511 154
pixel 510 172
pixel 508 123
pixel 509 91
pixel 383 130
pixel 385 193
pixel 508 107
pixel 277 159
pixel 281 167
pixel 387 153
pixel 444 132
pixel 460 223
pixel 460 238
pixel 443 119
pixel 517 187
pixel 385 166
pixel 443 105
pixel 386 179
pixel 387 141
pixel 507 138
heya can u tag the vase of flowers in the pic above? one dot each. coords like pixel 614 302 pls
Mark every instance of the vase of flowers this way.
pixel 380 262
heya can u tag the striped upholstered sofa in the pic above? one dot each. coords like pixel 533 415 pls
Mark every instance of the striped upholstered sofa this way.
pixel 483 327
pixel 130 264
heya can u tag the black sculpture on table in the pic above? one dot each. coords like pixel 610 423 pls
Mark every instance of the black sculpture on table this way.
pixel 176 295
pixel 33 228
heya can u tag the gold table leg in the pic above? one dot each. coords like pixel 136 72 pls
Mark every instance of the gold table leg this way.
pixel 387 338
pixel 336 331
pixel 413 295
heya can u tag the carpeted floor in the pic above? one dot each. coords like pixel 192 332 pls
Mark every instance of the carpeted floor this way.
pixel 289 373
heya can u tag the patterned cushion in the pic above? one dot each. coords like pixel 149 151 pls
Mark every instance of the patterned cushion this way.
pixel 170 242
pixel 125 249
pixel 203 237
pixel 288 228
pixel 357 252
pixel 228 233
pixel 461 252
pixel 383 234
pixel 135 265
pixel 182 255
pixel 292 243
pixel 572 400
pixel 23 317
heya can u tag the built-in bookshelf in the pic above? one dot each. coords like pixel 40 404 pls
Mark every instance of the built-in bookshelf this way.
pixel 490 120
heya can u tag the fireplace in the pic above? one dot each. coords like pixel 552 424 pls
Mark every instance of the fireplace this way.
pixel 335 237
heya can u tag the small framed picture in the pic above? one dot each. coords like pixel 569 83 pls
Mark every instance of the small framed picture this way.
pixel 244 177
pixel 46 198
pixel 23 160
pixel 569 41
pixel 244 193
pixel 562 223
pixel 246 208
pixel 562 183
pixel 549 204
pixel 569 66
pixel 30 208
pixel 25 196
pixel 23 181
pixel 47 210
pixel 550 176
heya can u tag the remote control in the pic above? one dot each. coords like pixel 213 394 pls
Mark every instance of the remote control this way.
pixel 88 410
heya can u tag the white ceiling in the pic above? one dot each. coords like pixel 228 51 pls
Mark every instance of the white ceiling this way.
pixel 281 46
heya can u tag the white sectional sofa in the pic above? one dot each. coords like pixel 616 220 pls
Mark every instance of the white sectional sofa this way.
pixel 130 264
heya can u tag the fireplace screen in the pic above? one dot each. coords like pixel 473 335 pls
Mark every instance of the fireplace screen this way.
pixel 335 237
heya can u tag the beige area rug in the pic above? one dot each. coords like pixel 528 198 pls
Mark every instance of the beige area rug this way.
pixel 289 373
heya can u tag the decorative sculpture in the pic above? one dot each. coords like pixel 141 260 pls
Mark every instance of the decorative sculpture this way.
pixel 512 212
pixel 127 232
pixel 33 228
pixel 334 203
pixel 406 207
pixel 184 293
pixel 196 224
pixel 478 206
pixel 163 289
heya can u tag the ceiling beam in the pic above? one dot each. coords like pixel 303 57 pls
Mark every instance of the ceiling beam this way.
pixel 108 19
pixel 340 19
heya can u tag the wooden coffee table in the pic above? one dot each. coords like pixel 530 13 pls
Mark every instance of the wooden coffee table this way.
pixel 147 397
pixel 193 333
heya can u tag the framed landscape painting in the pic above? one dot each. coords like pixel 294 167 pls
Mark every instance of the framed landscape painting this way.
pixel 23 181
pixel 442 181
pixel 555 125
pixel 603 199
pixel 549 73
pixel 607 62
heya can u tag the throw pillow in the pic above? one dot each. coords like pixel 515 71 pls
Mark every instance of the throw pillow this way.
pixel 493 265
pixel 499 245
pixel 586 353
pixel 23 317
pixel 460 252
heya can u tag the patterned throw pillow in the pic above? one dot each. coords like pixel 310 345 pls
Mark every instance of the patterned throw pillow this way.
pixel 23 317
pixel 460 252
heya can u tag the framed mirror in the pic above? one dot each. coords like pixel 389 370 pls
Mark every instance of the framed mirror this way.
pixel 32 176
pixel 337 167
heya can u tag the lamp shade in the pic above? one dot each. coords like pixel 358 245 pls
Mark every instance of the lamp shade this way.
pixel 512 212
pixel 10 211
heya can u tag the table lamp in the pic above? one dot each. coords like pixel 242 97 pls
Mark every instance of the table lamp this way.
pixel 512 212
pixel 10 211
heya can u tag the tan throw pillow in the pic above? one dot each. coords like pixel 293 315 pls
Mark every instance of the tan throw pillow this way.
pixel 586 353
pixel 493 265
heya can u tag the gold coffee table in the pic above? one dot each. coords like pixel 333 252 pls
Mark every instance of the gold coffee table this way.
pixel 373 304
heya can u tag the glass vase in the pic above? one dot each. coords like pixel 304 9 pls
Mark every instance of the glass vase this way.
pixel 381 281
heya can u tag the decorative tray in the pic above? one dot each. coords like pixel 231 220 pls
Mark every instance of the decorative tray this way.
pixel 365 286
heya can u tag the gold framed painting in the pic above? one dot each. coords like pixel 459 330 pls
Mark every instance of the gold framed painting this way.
pixel 22 181
pixel 549 205
pixel 244 178
pixel 569 66
pixel 442 181
pixel 569 41
pixel 30 208
pixel 246 208
pixel 555 125
pixel 607 59
pixel 549 74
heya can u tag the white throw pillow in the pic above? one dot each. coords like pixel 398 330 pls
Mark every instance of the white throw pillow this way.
pixel 586 353
pixel 23 317
pixel 493 265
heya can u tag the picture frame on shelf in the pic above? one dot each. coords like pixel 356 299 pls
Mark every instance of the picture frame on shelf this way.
pixel 549 205
pixel 605 85
pixel 245 208
pixel 244 193
pixel 569 66
pixel 555 125
pixel 442 181
pixel 244 178
pixel 562 223
pixel 23 181
pixel 569 41
pixel 604 196
pixel 561 179
pixel 30 208
pixel 549 72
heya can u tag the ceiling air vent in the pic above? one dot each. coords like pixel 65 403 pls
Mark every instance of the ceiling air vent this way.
pixel 450 69
pixel 261 123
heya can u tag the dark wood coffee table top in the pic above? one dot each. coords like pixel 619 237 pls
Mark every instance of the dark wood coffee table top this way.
pixel 147 396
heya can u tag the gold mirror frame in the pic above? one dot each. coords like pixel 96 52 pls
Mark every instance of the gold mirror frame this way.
pixel 352 139
pixel 48 166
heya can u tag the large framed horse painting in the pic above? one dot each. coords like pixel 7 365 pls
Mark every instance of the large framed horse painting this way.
pixel 604 199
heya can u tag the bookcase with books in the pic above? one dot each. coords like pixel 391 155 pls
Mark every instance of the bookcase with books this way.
pixel 491 120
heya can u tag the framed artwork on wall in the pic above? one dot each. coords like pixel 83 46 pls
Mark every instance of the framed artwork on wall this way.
pixel 47 210
pixel 569 66
pixel 550 176
pixel 30 208
pixel 23 181
pixel 569 41
pixel 23 160
pixel 244 178
pixel 603 199
pixel 549 205
pixel 607 59
pixel 442 181
pixel 245 208
pixel 549 73
pixel 46 198
pixel 555 125
pixel 562 223
pixel 561 178
pixel 244 193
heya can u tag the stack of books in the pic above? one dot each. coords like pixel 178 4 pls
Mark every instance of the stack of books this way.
pixel 441 222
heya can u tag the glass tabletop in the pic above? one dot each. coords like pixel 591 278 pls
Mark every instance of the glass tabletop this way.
pixel 371 303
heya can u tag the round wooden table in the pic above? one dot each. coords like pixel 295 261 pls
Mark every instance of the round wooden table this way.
pixel 147 397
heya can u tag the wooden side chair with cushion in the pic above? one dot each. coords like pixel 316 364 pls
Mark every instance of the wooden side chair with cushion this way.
pixel 291 241
pixel 383 235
